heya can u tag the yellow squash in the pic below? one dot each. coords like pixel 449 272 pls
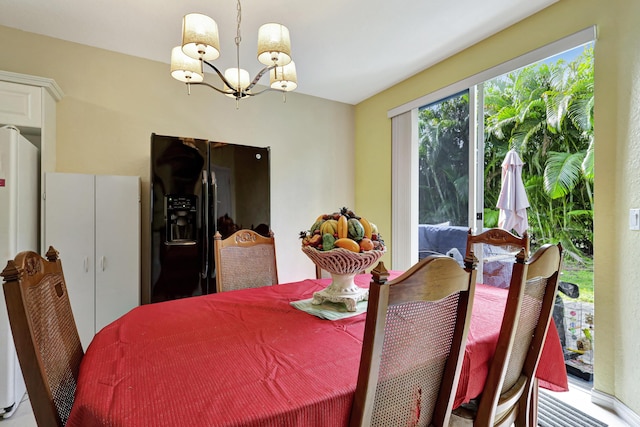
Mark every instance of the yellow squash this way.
pixel 367 227
pixel 349 244
pixel 343 227
pixel 329 226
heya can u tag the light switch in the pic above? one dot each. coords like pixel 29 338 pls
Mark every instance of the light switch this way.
pixel 634 219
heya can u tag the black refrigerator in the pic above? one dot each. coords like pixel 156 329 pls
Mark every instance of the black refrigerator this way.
pixel 199 187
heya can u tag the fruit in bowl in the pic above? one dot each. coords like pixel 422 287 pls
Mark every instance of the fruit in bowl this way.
pixel 343 229
pixel 343 244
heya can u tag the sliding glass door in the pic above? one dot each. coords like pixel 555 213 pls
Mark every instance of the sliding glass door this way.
pixel 443 161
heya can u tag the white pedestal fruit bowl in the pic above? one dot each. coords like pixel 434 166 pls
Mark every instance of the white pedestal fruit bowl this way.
pixel 343 265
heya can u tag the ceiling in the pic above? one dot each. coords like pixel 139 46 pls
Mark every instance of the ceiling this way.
pixel 344 50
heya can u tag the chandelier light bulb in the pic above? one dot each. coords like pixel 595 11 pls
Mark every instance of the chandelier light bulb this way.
pixel 200 37
pixel 184 68
pixel 274 45
pixel 231 74
pixel 284 78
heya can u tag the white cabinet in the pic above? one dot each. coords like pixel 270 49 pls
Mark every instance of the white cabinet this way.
pixel 29 103
pixel 21 105
pixel 94 222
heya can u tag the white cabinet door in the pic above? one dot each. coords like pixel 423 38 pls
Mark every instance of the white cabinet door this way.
pixel 69 228
pixel 21 105
pixel 94 222
pixel 117 247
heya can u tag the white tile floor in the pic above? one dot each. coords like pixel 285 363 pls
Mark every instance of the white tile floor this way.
pixel 578 396
pixel 23 417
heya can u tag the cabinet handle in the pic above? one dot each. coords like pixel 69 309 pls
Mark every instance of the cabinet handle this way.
pixel 103 263
pixel 86 264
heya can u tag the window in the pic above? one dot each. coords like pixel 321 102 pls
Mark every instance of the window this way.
pixel 449 129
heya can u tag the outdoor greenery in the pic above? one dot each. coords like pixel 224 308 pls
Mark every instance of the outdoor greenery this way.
pixel 582 275
pixel 444 161
pixel 544 112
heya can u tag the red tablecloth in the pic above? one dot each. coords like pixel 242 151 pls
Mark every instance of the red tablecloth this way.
pixel 248 358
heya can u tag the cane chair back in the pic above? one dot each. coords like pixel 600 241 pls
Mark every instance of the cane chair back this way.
pixel 497 250
pixel 244 260
pixel 510 393
pixel 518 395
pixel 415 334
pixel 44 332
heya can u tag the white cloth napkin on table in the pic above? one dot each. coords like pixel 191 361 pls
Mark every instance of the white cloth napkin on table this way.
pixel 329 310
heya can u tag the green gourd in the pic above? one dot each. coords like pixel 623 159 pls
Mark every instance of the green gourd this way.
pixel 356 230
pixel 316 226
pixel 328 242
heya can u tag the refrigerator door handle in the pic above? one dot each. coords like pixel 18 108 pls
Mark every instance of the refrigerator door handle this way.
pixel 179 243
pixel 214 184
pixel 205 214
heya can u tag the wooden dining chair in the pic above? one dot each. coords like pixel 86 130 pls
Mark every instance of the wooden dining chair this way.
pixel 44 332
pixel 415 333
pixel 320 273
pixel 510 392
pixel 498 246
pixel 245 259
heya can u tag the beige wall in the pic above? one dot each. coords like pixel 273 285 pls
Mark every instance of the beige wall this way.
pixel 112 103
pixel 617 161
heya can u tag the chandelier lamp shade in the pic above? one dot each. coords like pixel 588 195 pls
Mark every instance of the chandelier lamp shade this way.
pixel 201 45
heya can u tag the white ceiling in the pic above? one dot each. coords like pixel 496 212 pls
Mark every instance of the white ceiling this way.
pixel 344 50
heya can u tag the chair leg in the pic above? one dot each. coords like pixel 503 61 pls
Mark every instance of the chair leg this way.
pixel 532 414
pixel 534 404
pixel 527 408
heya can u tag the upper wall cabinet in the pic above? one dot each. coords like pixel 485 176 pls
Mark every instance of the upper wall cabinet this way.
pixel 21 105
pixel 29 103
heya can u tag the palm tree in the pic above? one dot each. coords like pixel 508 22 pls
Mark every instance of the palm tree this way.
pixel 443 161
pixel 545 111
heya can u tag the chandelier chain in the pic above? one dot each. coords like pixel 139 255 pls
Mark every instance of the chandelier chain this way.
pixel 239 20
pixel 238 40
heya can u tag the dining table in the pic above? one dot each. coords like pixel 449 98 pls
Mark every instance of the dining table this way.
pixel 252 358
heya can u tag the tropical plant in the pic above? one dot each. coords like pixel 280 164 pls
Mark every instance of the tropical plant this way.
pixel 444 161
pixel 545 112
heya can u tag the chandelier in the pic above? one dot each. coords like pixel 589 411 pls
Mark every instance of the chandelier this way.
pixel 200 45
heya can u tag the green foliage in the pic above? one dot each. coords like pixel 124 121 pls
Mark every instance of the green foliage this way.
pixel 582 275
pixel 545 112
pixel 444 161
pixel 562 173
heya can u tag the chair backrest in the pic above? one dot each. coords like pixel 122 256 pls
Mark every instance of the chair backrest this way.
pixel 245 260
pixel 415 334
pixel 508 391
pixel 499 249
pixel 44 332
